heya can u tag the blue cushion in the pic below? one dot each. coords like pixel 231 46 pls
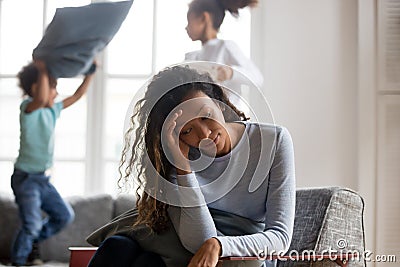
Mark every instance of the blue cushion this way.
pixel 77 34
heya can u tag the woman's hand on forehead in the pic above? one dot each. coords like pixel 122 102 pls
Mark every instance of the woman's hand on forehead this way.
pixel 196 107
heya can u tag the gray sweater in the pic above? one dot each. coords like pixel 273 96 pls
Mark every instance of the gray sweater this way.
pixel 256 180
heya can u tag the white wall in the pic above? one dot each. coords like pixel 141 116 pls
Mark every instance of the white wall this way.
pixel 307 51
pixel 318 59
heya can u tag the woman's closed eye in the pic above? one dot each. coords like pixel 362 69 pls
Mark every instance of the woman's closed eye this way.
pixel 186 131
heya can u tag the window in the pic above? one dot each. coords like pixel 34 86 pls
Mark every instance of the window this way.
pixel 89 135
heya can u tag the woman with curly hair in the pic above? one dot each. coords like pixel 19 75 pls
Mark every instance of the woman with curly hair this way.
pixel 210 183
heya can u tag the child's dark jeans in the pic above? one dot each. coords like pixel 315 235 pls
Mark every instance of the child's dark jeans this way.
pixel 34 193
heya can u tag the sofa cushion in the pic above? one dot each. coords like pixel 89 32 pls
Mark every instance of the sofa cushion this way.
pixel 9 223
pixel 67 52
pixel 90 213
pixel 123 203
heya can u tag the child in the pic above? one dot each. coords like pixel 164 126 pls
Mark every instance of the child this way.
pixel 31 178
pixel 204 20
pixel 195 159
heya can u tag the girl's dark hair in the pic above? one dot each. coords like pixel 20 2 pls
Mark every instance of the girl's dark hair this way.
pixel 165 91
pixel 217 8
pixel 27 77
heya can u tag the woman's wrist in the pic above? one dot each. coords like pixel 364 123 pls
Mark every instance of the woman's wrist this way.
pixel 182 172
pixel 183 167
pixel 217 245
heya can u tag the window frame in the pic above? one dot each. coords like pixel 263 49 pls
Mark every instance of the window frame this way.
pixel 95 160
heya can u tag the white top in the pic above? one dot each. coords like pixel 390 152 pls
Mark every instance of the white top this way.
pixel 227 52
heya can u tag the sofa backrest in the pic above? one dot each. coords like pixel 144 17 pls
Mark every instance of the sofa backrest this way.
pixel 123 203
pixel 9 223
pixel 91 212
pixel 324 218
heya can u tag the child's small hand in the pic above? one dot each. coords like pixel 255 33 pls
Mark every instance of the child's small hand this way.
pixel 40 65
pixel 92 68
pixel 224 73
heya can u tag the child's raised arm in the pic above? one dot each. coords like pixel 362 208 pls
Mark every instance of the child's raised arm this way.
pixel 40 89
pixel 80 91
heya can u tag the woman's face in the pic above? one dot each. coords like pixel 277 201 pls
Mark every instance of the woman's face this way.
pixel 202 121
pixel 195 27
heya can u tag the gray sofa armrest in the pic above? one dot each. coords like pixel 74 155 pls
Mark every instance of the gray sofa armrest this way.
pixel 328 218
pixel 343 228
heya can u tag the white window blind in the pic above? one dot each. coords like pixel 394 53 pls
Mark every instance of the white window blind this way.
pixel 389 45
pixel 388 180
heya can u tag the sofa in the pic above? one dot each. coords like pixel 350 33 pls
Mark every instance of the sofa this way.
pixel 91 212
pixel 326 219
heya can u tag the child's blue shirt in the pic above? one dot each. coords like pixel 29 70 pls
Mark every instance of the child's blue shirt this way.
pixel 37 137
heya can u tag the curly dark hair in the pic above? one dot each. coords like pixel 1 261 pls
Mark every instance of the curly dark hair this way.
pixel 166 90
pixel 27 77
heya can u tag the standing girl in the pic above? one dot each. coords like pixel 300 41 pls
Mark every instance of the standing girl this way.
pixel 204 20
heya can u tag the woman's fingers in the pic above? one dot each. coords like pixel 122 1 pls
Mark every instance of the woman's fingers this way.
pixel 171 123
pixel 171 128
pixel 175 147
